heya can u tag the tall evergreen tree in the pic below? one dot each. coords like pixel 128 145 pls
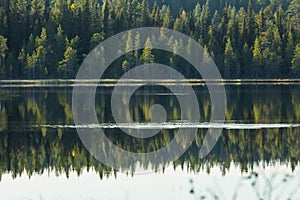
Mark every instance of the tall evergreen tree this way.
pixel 147 56
pixel 96 39
pixel 296 58
pixel 250 24
pixel 230 60
pixel 3 49
pixel 36 15
pixel 155 15
pixel 289 51
pixel 145 14
pixel 257 54
pixel 294 12
pixel 166 17
pixel 68 65
pixel 17 26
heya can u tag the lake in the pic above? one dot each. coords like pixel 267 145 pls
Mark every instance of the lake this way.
pixel 256 157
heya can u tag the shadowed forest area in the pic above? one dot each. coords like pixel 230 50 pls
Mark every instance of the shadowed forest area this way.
pixel 43 39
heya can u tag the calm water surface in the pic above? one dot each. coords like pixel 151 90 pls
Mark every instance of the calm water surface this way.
pixel 257 156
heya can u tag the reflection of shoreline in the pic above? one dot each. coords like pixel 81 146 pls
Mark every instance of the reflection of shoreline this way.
pixel 60 150
pixel 171 181
pixel 24 147
pixel 207 168
pixel 183 125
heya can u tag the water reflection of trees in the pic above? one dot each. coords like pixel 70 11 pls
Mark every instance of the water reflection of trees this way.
pixel 25 148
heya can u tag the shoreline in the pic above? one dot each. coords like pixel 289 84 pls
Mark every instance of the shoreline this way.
pixel 136 82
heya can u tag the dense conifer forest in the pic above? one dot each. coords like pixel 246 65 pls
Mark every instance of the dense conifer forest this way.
pixel 42 39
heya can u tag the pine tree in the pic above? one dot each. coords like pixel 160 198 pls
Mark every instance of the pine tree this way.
pixel 17 27
pixel 147 56
pixel 105 17
pixel 137 53
pixel 205 19
pixel 36 14
pixel 3 49
pixel 296 58
pixel 289 50
pixel 129 44
pixel 240 28
pixel 41 52
pixel 36 66
pixel 230 60
pixel 68 65
pixel 279 19
pixel 30 44
pixel 155 15
pixel 257 54
pixel 294 12
pixel 206 57
pixel 122 18
pixel 42 39
pixel 84 31
pixel 60 41
pixel 259 20
pixel 3 22
pixel 250 24
pixel 96 39
pixel 246 60
pixel 178 25
pixel 61 14
pixel 30 66
pixel 166 17
pixel 135 13
pixel 273 50
pixel 231 26
pixel 22 61
pixel 197 11
pixel 177 49
pixel 145 14
pixel 41 68
pixel 125 65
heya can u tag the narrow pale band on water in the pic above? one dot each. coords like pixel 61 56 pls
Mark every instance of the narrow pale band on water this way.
pixel 134 82
pixel 228 126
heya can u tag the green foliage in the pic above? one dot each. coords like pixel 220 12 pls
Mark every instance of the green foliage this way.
pixel 68 65
pixel 257 55
pixel 294 11
pixel 3 51
pixel 147 56
pixel 38 30
pixel 296 58
pixel 96 39
pixel 125 65
pixel 230 59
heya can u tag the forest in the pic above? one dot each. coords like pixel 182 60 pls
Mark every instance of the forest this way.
pixel 49 39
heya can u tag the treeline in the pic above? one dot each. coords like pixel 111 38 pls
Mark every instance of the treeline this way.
pixel 247 39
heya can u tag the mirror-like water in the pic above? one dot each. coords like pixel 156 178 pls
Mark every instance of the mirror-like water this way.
pixel 260 140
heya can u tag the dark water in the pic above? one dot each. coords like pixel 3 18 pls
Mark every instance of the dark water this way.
pixel 262 130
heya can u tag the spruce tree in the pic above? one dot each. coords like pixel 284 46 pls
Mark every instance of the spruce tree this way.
pixel 147 56
pixel 296 58
pixel 3 49
pixel 230 60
